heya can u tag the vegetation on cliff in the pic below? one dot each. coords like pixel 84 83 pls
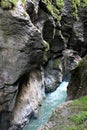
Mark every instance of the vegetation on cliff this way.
pixel 76 5
pixel 9 4
pixel 54 8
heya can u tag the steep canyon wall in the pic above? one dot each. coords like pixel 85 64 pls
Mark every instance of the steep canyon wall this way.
pixel 40 42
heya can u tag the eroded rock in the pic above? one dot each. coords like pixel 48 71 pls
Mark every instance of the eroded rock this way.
pixel 53 74
pixel 78 83
pixel 28 99
pixel 21 50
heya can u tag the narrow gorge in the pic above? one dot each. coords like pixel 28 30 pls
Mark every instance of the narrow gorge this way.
pixel 43 43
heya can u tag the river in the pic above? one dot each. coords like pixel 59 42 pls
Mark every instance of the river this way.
pixel 49 104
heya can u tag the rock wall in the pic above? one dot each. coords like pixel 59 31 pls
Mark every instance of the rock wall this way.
pixel 33 35
pixel 78 83
pixel 21 51
pixel 28 99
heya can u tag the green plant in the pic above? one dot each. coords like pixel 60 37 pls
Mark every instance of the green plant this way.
pixel 56 63
pixel 23 1
pixel 75 6
pixel 83 3
pixel 9 4
pixel 79 118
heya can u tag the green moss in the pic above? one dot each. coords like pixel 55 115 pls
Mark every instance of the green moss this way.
pixel 60 4
pixel 81 127
pixel 54 9
pixel 82 65
pixel 81 103
pixel 9 4
pixel 75 116
pixel 56 63
pixel 76 5
pixel 79 118
pixel 6 4
pixel 83 3
pixel 23 1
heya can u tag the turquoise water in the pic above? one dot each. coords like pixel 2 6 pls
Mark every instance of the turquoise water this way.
pixel 49 104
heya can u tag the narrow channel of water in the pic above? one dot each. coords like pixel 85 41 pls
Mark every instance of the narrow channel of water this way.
pixel 49 104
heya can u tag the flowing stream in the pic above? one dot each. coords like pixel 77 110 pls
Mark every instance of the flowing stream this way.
pixel 49 104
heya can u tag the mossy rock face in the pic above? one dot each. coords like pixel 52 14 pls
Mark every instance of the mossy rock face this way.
pixel 83 3
pixel 56 63
pixel 9 4
pixel 6 4
pixel 54 7
pixel 76 5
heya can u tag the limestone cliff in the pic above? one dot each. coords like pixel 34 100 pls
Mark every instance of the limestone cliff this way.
pixel 73 114
pixel 21 51
pixel 33 35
